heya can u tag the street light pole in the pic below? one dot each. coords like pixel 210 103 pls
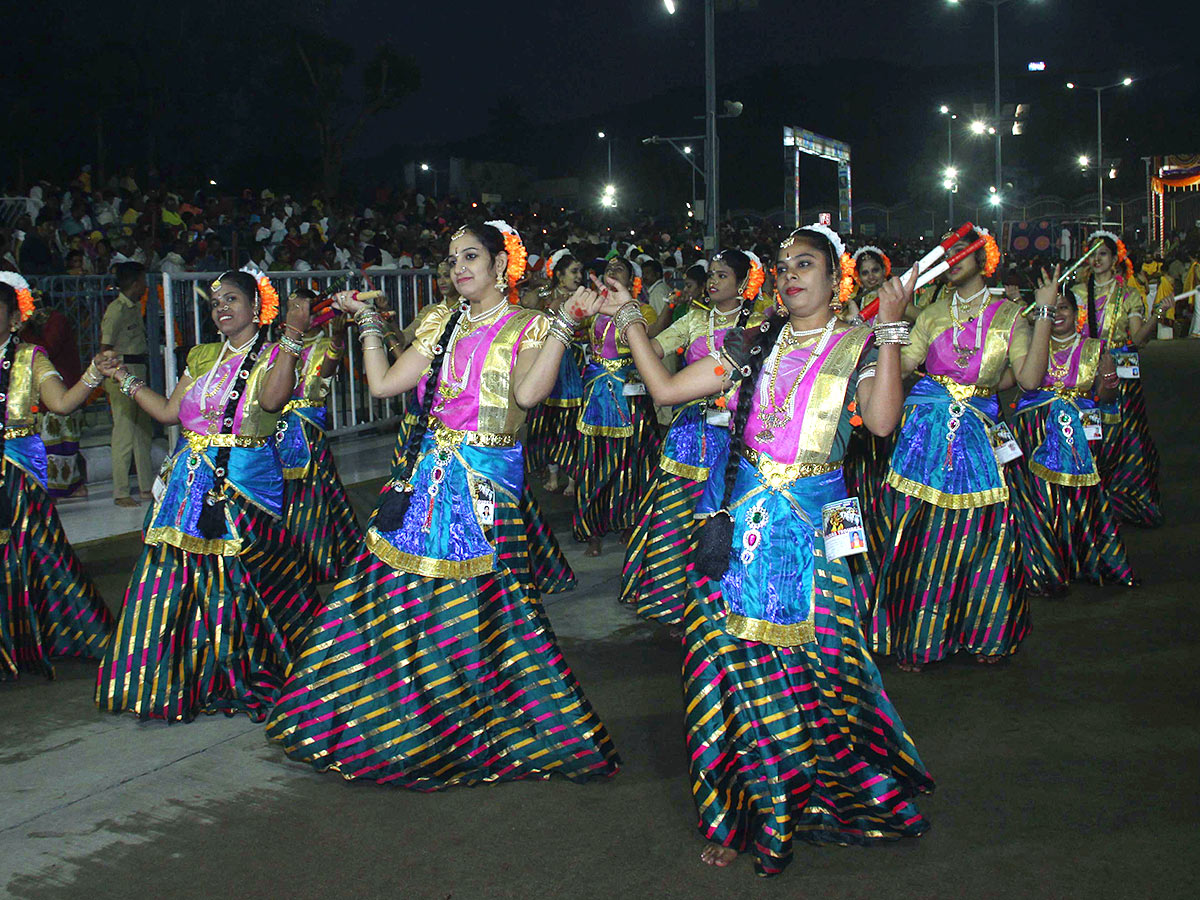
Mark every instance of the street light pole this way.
pixel 711 150
pixel 996 106
pixel 1099 159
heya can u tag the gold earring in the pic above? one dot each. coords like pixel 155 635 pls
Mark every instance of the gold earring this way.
pixel 742 287
pixel 501 281
pixel 779 302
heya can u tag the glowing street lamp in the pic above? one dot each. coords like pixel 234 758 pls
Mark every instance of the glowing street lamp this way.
pixel 1100 89
pixel 978 127
pixel 670 7
pixel 1083 161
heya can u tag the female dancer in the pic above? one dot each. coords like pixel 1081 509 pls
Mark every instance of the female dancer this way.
pixel 618 436
pixel 790 733
pixel 316 510
pixel 433 663
pixel 697 444
pixel 48 606
pixel 551 435
pixel 1111 309
pixel 1068 527
pixel 221 590
pixel 951 573
pixel 867 454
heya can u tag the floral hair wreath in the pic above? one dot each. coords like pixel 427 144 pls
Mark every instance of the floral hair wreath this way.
pixel 268 297
pixel 755 277
pixel 991 251
pixel 1123 259
pixel 871 248
pixel 846 263
pixel 552 261
pixel 517 256
pixel 25 302
pixel 636 269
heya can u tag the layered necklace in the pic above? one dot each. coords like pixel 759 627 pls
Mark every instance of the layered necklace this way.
pixel 1058 373
pixel 960 306
pixel 455 382
pixel 718 320
pixel 772 413
pixel 213 412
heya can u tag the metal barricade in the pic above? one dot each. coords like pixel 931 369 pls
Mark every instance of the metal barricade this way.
pixel 186 322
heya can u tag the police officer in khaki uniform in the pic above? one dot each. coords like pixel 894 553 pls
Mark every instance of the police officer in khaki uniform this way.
pixel 123 331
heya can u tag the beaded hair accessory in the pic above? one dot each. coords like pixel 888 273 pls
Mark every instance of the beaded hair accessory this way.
pixel 552 261
pixel 268 297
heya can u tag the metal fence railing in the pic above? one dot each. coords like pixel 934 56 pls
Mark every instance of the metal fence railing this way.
pixel 186 321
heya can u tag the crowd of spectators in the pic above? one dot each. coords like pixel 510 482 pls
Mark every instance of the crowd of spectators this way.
pixel 86 227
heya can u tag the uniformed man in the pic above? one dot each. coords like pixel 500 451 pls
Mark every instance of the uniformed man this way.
pixel 123 331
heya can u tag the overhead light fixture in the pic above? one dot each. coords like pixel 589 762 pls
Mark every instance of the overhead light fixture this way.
pixel 978 127
pixel 1083 161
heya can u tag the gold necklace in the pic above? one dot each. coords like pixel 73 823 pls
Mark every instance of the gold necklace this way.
pixel 1057 373
pixel 779 415
pixel 963 354
pixel 451 387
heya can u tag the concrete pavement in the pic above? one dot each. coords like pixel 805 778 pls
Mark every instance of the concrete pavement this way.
pixel 1070 772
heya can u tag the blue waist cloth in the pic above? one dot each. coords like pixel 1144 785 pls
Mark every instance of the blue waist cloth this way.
pixel 254 472
pixel 294 451
pixel 30 454
pixel 1063 451
pixel 770 578
pixel 920 456
pixel 693 442
pixel 444 525
pixel 569 385
pixel 604 404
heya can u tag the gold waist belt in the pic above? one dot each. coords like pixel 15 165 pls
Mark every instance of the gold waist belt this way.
pixel 448 437
pixel 201 442
pixel 293 405
pixel 1072 393
pixel 962 392
pixel 613 366
pixel 779 475
pixel 18 431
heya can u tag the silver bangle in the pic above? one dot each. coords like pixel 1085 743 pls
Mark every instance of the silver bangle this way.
pixel 893 333
pixel 627 315
pixel 1044 312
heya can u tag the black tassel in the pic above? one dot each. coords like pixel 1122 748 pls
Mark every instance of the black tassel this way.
pixel 715 543
pixel 211 523
pixel 392 510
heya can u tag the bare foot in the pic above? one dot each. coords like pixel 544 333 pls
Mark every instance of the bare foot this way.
pixel 126 502
pixel 909 667
pixel 988 660
pixel 593 548
pixel 552 486
pixel 716 855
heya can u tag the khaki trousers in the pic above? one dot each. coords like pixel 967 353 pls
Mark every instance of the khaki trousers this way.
pixel 130 439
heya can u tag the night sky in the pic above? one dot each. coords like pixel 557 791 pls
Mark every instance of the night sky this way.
pixel 530 82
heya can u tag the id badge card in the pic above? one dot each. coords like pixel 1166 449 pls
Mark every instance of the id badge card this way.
pixel 483 495
pixel 842 523
pixel 633 389
pixel 718 417
pixel 1093 424
pixel 1128 364
pixel 1004 445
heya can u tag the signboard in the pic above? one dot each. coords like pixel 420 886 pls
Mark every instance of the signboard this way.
pixel 825 219
pixel 800 140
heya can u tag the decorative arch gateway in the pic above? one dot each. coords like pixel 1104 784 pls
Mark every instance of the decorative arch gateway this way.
pixel 1179 172
pixel 800 140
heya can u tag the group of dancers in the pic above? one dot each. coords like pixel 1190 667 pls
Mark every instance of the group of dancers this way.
pixel 803 514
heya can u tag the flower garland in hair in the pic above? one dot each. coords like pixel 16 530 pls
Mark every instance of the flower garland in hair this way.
pixel 991 251
pixel 552 261
pixel 636 271
pixel 871 248
pixel 268 297
pixel 25 301
pixel 1123 259
pixel 756 276
pixel 518 257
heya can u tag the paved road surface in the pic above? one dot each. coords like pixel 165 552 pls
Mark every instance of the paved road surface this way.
pixel 1072 771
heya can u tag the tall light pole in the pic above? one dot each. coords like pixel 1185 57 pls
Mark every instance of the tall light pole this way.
pixel 1124 82
pixel 951 173
pixel 995 5
pixel 608 140
pixel 425 167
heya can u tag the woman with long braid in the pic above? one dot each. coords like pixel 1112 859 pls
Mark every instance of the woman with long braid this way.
pixel 48 605
pixel 1112 310
pixel 433 663
pixel 618 430
pixel 221 592
pixel 697 445
pixel 951 576
pixel 317 511
pixel 790 733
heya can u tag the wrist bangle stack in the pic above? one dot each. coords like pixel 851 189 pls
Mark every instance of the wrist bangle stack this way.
pixel 1043 312
pixel 91 377
pixel 629 314
pixel 290 345
pixel 335 351
pixel 562 327
pixel 369 321
pixel 893 333
pixel 131 384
